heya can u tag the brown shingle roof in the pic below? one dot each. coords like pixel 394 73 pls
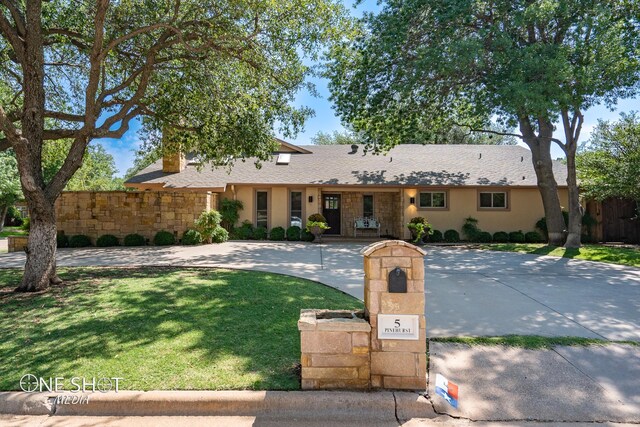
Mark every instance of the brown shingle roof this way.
pixel 404 165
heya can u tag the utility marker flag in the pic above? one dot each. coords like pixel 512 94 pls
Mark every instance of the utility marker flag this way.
pixel 447 389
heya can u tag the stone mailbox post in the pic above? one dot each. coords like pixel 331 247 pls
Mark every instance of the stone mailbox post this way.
pixel 394 305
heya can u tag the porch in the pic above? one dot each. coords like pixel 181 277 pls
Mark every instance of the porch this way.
pixel 342 208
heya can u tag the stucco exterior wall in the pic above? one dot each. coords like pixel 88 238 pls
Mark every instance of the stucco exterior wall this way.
pixel 394 210
pixel 524 210
pixel 125 212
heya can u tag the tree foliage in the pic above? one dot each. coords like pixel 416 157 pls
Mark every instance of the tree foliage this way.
pixel 9 183
pixel 97 173
pixel 419 68
pixel 220 75
pixel 609 165
pixel 336 138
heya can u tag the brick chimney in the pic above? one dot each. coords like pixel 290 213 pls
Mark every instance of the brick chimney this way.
pixel 173 159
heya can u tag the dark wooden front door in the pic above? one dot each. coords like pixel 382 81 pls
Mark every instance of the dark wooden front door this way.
pixel 331 211
pixel 619 223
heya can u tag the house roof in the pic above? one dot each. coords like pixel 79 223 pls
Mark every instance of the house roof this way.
pixel 404 165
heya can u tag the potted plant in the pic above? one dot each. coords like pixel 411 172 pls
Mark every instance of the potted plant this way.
pixel 316 225
pixel 419 228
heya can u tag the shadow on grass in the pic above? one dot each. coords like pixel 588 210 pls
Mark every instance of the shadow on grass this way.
pixel 161 328
pixel 545 250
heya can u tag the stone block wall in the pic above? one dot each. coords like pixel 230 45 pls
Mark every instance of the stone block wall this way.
pixel 386 209
pixel 17 243
pixel 335 350
pixel 395 364
pixel 126 212
pixel 342 350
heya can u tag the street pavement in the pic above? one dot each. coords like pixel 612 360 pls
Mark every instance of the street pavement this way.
pixel 468 292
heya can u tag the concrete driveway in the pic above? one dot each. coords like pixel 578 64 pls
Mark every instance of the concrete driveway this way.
pixel 468 292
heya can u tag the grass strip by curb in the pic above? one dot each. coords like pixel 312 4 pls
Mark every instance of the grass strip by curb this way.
pixel 529 342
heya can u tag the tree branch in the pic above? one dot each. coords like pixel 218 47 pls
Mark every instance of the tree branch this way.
pixel 4 144
pixel 64 116
pixel 13 37
pixel 16 14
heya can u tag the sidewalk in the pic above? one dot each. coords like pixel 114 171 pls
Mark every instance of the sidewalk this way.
pixel 497 386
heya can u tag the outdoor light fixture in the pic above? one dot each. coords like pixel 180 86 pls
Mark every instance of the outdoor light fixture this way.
pixel 412 200
pixel 310 199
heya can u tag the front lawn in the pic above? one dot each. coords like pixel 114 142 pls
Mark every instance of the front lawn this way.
pixel 609 254
pixel 160 328
pixel 12 231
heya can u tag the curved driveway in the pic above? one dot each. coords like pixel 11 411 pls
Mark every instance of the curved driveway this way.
pixel 468 292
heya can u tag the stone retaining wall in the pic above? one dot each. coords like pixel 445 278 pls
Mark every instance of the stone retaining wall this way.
pixel 126 212
pixel 17 243
pixel 335 351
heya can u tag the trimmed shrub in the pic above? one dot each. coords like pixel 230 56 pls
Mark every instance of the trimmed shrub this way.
pixel 107 240
pixel 134 240
pixel 317 218
pixel 207 222
pixel 79 241
pixel 191 237
pixel 26 224
pixel 516 237
pixel 500 237
pixel 451 236
pixel 277 234
pixel 483 237
pixel 164 238
pixel 305 236
pixel 470 229
pixel 230 213
pixel 533 237
pixel 62 241
pixel 244 232
pixel 293 233
pixel 436 237
pixel 219 235
pixel 260 233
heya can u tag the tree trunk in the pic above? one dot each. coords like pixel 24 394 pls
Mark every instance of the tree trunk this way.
pixel 540 146
pixel 575 210
pixel 40 269
pixel 3 216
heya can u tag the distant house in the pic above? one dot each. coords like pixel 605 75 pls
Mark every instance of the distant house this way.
pixel 445 183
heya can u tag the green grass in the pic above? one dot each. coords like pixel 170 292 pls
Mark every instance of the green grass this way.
pixel 531 342
pixel 608 254
pixel 12 231
pixel 160 328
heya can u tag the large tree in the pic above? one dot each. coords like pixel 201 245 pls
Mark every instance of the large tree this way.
pixel 420 67
pixel 609 164
pixel 222 73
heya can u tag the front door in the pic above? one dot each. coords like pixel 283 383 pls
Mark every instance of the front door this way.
pixel 331 211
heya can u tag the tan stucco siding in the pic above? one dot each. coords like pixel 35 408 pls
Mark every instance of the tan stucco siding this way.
pixel 524 207
pixel 524 210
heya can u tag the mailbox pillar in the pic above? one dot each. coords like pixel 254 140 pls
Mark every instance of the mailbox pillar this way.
pixel 396 314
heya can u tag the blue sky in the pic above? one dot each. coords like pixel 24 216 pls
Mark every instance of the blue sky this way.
pixel 325 119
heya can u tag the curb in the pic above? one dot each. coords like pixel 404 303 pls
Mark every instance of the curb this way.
pixel 311 405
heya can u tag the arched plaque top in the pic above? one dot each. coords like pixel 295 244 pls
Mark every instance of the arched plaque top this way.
pixel 374 247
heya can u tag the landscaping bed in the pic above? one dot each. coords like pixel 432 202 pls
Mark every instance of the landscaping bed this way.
pixel 160 328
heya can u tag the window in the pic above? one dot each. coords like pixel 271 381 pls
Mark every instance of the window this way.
pixel 495 200
pixel 367 206
pixel 295 208
pixel 433 199
pixel 262 209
